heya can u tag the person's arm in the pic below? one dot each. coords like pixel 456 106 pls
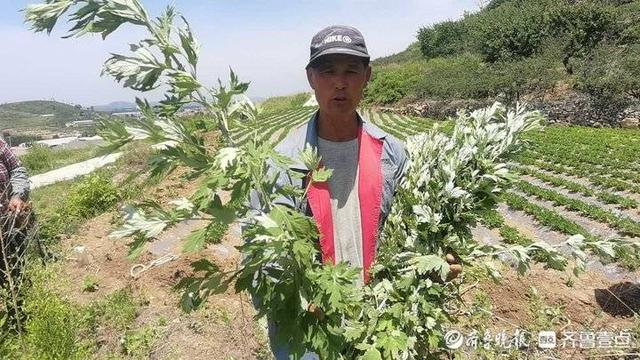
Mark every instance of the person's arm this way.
pixel 17 177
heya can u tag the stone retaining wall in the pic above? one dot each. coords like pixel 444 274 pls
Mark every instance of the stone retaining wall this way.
pixel 577 109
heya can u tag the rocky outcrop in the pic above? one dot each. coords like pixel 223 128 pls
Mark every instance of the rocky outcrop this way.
pixel 576 109
pixel 630 123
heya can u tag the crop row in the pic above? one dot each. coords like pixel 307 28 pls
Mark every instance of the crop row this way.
pixel 269 126
pixel 492 219
pixel 622 224
pixel 241 130
pixel 557 222
pixel 599 180
pixel 545 217
pixel 606 147
pixel 580 164
pixel 604 196
pixel 400 126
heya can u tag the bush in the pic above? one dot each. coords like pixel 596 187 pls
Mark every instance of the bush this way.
pixel 92 196
pixel 583 26
pixel 55 326
pixel 464 77
pixel 38 158
pixel 525 76
pixel 510 31
pixel 89 197
pixel 459 77
pixel 611 72
pixel 393 82
pixel 443 39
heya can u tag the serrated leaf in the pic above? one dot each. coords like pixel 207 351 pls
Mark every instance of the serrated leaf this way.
pixel 371 354
pixel 321 175
pixel 195 241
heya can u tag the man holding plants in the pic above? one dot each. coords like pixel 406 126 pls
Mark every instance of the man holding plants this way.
pixel 367 164
pixel 14 215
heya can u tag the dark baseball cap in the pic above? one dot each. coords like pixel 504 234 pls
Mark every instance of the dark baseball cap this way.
pixel 338 39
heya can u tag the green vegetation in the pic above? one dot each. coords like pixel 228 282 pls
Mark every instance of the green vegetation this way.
pixel 279 104
pixel 492 219
pixel 41 114
pixel 59 328
pixel 267 125
pixel 62 208
pixel 138 343
pixel 516 47
pixel 401 312
pixel 40 158
pixel 605 196
pixel 623 224
pixel 544 316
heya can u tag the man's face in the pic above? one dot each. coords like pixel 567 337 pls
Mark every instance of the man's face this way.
pixel 338 81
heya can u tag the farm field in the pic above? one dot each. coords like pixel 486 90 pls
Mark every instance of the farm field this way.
pixel 590 194
pixel 571 180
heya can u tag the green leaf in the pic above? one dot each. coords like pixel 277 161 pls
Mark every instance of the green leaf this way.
pixel 43 17
pixel 429 263
pixel 195 241
pixel 371 354
pixel 136 247
pixel 321 175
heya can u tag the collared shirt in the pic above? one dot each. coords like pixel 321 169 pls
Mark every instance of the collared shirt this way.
pixel 394 161
pixel 14 180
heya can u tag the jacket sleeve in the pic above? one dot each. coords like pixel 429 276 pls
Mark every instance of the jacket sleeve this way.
pixel 403 165
pixel 18 177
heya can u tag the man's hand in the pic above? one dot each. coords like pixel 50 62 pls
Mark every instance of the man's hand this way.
pixel 455 268
pixel 17 205
pixel 316 311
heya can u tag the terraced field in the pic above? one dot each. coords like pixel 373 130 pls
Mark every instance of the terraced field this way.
pixel 573 180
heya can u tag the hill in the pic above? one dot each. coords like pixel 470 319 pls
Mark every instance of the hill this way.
pixel 41 114
pixel 515 49
pixel 116 106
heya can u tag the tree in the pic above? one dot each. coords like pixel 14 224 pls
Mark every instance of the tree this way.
pixel 442 39
pixel 611 71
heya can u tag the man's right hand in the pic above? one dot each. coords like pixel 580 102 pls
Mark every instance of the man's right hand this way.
pixel 455 268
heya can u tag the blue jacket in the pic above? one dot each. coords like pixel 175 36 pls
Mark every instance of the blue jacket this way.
pixel 382 163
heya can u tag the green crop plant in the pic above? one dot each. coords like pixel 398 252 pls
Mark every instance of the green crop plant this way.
pixel 400 312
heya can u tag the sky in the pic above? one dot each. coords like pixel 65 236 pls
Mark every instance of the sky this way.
pixel 265 42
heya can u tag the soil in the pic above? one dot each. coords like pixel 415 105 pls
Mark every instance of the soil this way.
pixel 224 328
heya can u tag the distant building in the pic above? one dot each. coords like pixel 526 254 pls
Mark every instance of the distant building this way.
pixel 57 142
pixel 80 123
pixel 127 114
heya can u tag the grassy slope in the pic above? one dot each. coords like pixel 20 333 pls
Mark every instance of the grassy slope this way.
pixel 29 114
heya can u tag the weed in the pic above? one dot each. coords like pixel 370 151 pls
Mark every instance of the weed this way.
pixel 544 317
pixel 117 311
pixel 90 284
pixel 139 343
pixel 55 327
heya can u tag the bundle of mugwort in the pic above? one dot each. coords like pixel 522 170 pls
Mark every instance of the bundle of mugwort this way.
pixel 400 312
